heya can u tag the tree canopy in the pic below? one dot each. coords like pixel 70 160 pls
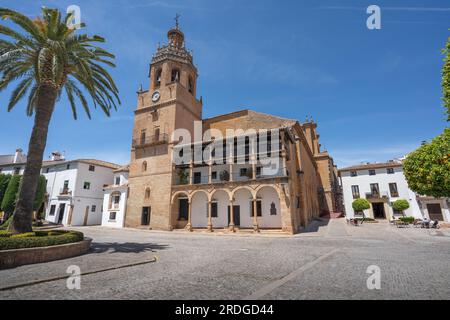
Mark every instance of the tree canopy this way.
pixel 427 169
pixel 360 205
pixel 400 205
pixel 446 79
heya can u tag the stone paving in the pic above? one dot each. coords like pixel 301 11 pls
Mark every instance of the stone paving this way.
pixel 327 261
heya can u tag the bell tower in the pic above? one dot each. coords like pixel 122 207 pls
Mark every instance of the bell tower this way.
pixel 170 103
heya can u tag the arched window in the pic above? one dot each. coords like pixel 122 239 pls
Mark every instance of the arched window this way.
pixel 147 193
pixel 175 75
pixel 191 85
pixel 114 200
pixel 158 77
pixel 144 166
pixel 157 133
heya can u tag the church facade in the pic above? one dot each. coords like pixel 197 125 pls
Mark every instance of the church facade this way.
pixel 242 170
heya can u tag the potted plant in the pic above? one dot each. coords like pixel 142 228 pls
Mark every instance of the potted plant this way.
pixel 183 177
pixel 225 175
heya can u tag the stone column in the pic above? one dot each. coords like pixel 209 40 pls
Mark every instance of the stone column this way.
pixel 210 226
pixel 283 162
pixel 210 172
pixel 255 215
pixel 253 158
pixel 231 225
pixel 231 160
pixel 191 173
pixel 189 224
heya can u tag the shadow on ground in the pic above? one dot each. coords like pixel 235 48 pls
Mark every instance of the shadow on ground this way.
pixel 126 247
pixel 315 225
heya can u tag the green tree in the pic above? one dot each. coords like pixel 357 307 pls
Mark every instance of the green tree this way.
pixel 4 181
pixel 360 204
pixel 446 78
pixel 400 205
pixel 9 200
pixel 49 58
pixel 427 169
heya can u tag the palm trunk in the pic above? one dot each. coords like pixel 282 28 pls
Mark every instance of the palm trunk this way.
pixel 23 213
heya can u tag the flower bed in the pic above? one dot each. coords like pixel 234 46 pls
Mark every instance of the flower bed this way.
pixel 8 241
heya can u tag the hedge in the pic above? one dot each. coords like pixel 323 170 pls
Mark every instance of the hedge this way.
pixel 407 219
pixel 35 239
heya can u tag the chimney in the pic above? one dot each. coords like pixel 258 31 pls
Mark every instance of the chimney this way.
pixel 56 156
pixel 19 157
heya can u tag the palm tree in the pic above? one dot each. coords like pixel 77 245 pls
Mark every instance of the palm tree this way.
pixel 47 58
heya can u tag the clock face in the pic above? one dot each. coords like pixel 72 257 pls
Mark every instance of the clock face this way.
pixel 155 96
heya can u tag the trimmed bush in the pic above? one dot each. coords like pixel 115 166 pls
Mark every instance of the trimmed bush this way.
pixel 4 181
pixel 407 219
pixel 400 205
pixel 360 205
pixel 5 225
pixel 9 241
pixel 9 200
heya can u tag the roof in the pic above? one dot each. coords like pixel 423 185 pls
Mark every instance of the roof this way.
pixel 47 163
pixel 391 164
pixel 6 159
pixel 123 168
pixel 265 120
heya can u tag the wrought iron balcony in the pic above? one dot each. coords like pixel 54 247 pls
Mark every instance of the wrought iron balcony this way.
pixel 151 140
pixel 376 195
pixel 65 192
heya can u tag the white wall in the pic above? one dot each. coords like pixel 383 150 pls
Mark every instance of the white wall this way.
pixel 122 188
pixel 444 207
pixel 120 212
pixel 82 200
pixel 363 180
pixel 199 210
pixel 223 201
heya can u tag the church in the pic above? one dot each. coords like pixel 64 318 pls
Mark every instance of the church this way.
pixel 238 171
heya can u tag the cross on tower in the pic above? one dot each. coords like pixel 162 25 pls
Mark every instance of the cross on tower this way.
pixel 177 22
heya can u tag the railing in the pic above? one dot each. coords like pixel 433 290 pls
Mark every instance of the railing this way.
pixel 222 176
pixel 376 195
pixel 151 140
pixel 65 192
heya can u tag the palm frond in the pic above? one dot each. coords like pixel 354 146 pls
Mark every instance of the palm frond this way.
pixel 19 92
pixel 48 52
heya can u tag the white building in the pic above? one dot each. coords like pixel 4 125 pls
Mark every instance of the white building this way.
pixel 74 188
pixel 382 184
pixel 115 199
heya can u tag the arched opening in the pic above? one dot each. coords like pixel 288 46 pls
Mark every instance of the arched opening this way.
pixel 144 166
pixel 175 77
pixel 199 214
pixel 191 85
pixel 147 193
pixel 242 212
pixel 156 134
pixel 158 75
pixel 180 209
pixel 270 208
pixel 114 200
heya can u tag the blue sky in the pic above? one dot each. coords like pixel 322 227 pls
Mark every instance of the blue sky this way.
pixel 375 94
